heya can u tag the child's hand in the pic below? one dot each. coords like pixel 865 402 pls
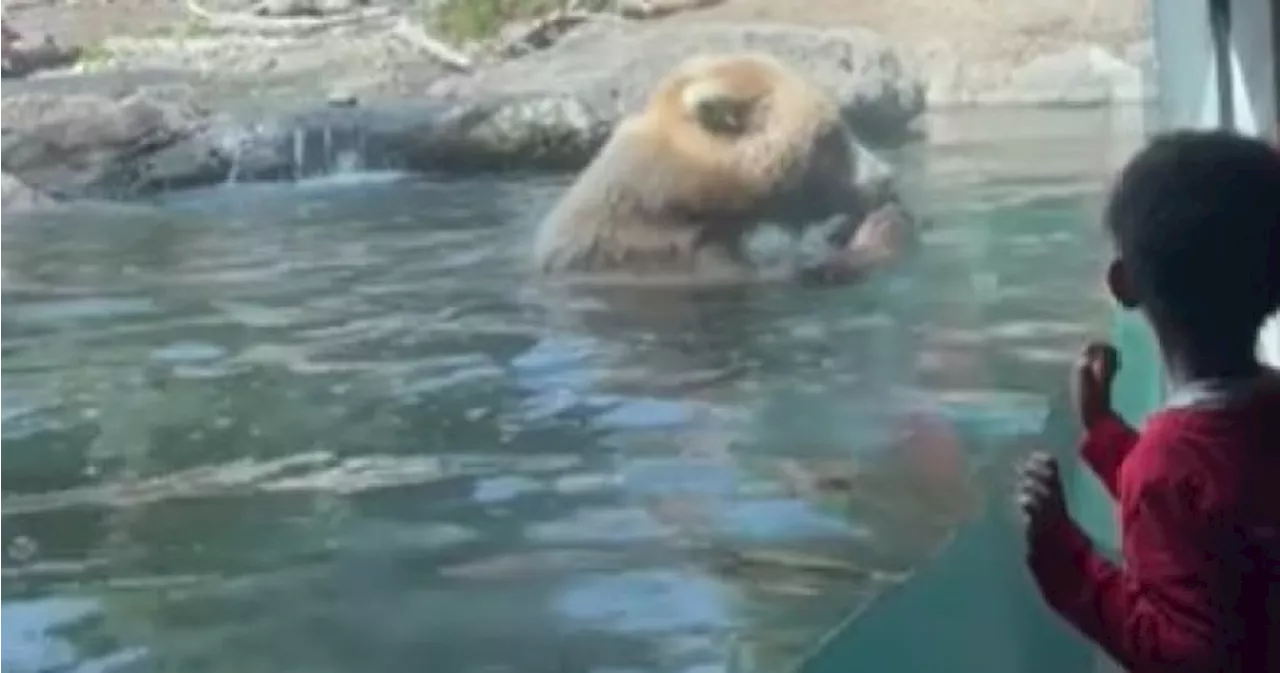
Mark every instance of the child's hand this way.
pixel 1091 385
pixel 1040 496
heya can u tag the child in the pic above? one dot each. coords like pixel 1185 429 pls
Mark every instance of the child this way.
pixel 1196 221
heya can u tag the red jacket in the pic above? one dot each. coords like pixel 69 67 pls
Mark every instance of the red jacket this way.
pixel 1199 494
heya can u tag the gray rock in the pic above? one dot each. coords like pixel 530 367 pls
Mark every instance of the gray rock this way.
pixel 287 8
pixel 654 9
pixel 191 162
pixel 541 132
pixel 91 145
pixel 306 143
pixel 331 7
pixel 531 132
pixel 19 196
pixel 296 8
pixel 611 68
pixel 342 98
pixel 255 153
pixel 1082 75
pixel 35 53
pixel 238 150
pixel 550 111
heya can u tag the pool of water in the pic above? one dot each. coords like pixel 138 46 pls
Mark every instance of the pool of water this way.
pixel 335 427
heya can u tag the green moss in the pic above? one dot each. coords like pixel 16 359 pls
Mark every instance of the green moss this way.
pixel 194 26
pixel 95 53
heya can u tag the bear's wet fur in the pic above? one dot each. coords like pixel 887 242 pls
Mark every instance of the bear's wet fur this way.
pixel 724 144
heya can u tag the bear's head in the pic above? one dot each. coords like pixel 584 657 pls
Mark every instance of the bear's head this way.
pixel 750 139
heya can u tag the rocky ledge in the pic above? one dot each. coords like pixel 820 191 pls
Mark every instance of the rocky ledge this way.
pixel 610 68
pixel 547 111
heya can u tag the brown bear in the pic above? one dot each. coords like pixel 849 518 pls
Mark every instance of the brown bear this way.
pixel 724 144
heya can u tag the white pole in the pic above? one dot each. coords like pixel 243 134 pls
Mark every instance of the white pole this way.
pixel 1188 81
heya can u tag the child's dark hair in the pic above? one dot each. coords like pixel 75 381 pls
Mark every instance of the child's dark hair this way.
pixel 1195 217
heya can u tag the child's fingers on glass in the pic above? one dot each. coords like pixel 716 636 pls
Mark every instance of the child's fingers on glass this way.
pixel 1037 488
pixel 1039 465
pixel 1100 361
pixel 1037 458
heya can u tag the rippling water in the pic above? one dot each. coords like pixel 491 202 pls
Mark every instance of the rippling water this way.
pixel 334 427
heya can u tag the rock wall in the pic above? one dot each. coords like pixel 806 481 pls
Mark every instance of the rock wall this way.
pixel 611 68
pixel 967 52
pixel 990 52
pixel 99 135
pixel 548 112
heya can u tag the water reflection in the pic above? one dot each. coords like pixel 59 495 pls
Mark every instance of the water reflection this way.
pixel 333 428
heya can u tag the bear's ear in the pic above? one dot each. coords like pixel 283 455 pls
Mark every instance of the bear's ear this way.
pixel 717 111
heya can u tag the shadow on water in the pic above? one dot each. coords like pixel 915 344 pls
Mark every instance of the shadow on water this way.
pixel 333 427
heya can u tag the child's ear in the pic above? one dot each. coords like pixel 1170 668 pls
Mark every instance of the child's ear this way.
pixel 1119 286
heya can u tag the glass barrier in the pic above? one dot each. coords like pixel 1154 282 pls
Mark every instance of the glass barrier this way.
pixel 974 607
pixel 283 392
pixel 974 601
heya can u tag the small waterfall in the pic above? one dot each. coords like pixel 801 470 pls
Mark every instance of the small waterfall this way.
pixel 319 144
pixel 329 149
pixel 252 153
pixel 233 171
pixel 233 145
pixel 299 146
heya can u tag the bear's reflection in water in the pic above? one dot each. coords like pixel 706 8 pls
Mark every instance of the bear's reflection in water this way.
pixel 854 501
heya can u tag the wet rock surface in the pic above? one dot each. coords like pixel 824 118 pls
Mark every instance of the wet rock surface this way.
pixel 104 147
pixel 174 111
pixel 92 145
pixel 550 111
